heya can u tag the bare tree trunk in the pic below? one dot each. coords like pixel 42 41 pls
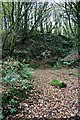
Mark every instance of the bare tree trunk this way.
pixel 5 19
pixel 68 14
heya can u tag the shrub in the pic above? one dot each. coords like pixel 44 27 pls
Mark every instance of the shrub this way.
pixel 16 80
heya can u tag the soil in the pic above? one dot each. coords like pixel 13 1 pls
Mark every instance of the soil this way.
pixel 48 101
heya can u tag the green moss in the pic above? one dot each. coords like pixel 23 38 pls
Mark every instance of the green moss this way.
pixel 58 83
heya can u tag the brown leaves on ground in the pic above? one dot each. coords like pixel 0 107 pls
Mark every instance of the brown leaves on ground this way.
pixel 49 101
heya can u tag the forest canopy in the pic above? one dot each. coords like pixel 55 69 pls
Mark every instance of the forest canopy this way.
pixel 42 26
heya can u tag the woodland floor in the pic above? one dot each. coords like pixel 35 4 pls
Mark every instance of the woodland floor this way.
pixel 50 101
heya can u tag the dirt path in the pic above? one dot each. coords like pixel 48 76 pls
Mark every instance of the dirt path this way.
pixel 51 101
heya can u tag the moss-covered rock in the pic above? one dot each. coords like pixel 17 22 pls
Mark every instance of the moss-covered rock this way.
pixel 58 83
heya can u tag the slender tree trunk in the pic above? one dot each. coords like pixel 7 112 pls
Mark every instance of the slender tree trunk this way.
pixel 12 13
pixel 68 14
pixel 5 19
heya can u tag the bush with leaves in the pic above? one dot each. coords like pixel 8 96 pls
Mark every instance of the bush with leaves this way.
pixel 16 80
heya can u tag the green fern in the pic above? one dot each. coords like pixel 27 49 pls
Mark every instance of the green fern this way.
pixel 58 83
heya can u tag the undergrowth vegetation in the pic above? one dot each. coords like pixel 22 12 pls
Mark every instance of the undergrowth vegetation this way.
pixel 45 35
pixel 16 81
